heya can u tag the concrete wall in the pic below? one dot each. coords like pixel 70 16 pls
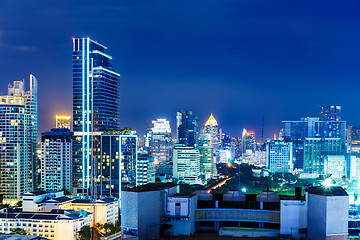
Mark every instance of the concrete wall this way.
pixel 142 211
pixel 337 217
pixel 226 214
pixel 316 217
pixel 327 217
pixel 293 216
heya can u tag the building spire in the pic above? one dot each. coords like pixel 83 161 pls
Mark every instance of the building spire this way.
pixel 211 121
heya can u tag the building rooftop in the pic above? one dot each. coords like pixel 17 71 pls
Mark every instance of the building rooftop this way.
pixel 19 237
pixel 327 191
pixel 35 193
pixel 152 187
pixel 53 215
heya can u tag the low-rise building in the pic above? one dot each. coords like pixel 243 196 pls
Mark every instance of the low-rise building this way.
pixel 54 225
pixel 106 208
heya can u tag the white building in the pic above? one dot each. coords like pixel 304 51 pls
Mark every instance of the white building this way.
pixel 327 213
pixel 106 208
pixel 353 167
pixel 186 164
pixel 143 208
pixel 279 156
pixel 56 160
pixel 145 169
pixel 54 225
pixel 335 165
pixel 18 140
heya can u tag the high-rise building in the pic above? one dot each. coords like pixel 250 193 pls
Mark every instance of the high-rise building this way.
pixel 158 139
pixel 212 127
pixel 116 162
pixel 206 150
pixel 187 129
pixel 353 138
pixel 18 140
pixel 186 164
pixel 62 121
pixel 96 96
pixel 56 160
pixel 330 113
pixel 145 169
pixel 316 149
pixel 311 127
pixel 335 166
pixel 279 156
pixel 248 141
pixel 235 148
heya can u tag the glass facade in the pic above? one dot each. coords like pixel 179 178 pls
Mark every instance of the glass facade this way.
pixel 116 163
pixel 187 129
pixel 96 96
pixel 18 140
pixel 311 127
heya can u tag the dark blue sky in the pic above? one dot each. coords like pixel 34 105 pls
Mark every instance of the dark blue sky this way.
pixel 237 59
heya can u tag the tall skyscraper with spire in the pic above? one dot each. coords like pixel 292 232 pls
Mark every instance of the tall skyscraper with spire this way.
pixel 212 127
pixel 96 96
pixel 18 140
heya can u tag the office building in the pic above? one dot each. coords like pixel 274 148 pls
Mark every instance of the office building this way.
pixel 353 136
pixel 145 169
pixel 352 169
pixel 212 127
pixel 96 96
pixel 248 141
pixel 18 140
pixel 186 164
pixel 187 129
pixel 316 149
pixel 206 151
pixel 279 156
pixel 158 139
pixel 335 165
pixel 311 127
pixel 63 121
pixel 116 162
pixel 56 160
pixel 235 147
pixel 330 113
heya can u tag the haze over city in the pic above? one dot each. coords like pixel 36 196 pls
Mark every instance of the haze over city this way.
pixel 239 60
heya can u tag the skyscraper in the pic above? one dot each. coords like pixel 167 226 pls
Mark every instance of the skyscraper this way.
pixel 212 127
pixel 206 151
pixel 116 162
pixel 187 129
pixel 330 113
pixel 248 141
pixel 56 160
pixel 311 127
pixel 96 96
pixel 279 156
pixel 186 164
pixel 159 140
pixel 62 121
pixel 18 140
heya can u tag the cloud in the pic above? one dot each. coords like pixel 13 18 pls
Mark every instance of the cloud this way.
pixel 16 47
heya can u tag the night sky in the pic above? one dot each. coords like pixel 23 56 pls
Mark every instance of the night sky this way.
pixel 238 59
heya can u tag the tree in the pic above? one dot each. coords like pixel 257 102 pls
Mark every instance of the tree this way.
pixel 19 231
pixel 86 232
pixel 66 192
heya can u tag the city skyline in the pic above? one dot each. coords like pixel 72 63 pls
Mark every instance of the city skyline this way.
pixel 225 65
